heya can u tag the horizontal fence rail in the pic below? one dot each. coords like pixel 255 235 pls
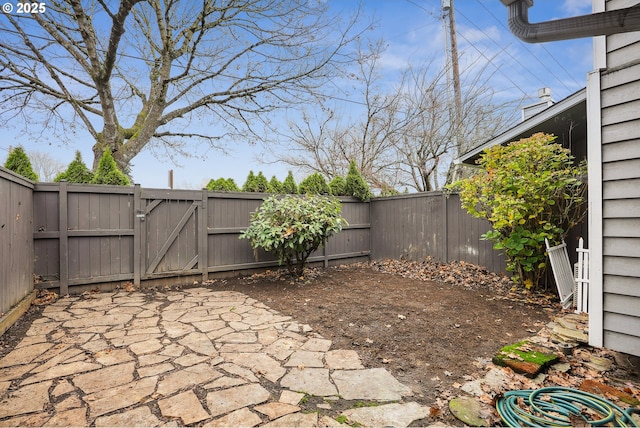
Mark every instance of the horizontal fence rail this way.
pixel 431 224
pixel 90 235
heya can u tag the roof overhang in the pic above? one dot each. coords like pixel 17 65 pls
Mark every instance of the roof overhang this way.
pixel 558 119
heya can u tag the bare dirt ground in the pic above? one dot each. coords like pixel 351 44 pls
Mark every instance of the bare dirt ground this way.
pixel 431 335
pixel 433 326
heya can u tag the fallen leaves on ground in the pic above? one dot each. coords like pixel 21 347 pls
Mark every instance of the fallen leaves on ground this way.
pixel 45 297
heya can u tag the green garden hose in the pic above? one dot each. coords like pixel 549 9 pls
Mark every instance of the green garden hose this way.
pixel 555 406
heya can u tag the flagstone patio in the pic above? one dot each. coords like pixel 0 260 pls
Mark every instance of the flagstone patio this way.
pixel 189 357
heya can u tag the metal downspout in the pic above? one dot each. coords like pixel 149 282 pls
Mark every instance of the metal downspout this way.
pixel 596 24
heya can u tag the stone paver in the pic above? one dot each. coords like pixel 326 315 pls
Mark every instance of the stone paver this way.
pixel 240 418
pixel 189 357
pixel 227 400
pixel 387 415
pixel 312 381
pixel 369 384
pixel 344 359
pixel 138 417
pixel 185 406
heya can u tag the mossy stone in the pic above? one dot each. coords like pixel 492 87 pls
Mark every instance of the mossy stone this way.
pixel 525 357
pixel 468 411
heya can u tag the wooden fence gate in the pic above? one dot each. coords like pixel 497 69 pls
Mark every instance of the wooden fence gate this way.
pixel 171 229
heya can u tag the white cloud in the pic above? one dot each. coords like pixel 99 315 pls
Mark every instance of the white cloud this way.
pixel 577 7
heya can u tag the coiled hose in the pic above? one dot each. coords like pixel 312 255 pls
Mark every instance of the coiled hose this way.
pixel 555 406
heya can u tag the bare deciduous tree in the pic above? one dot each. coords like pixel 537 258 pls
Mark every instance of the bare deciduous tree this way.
pixel 45 165
pixel 407 136
pixel 431 137
pixel 146 72
pixel 325 143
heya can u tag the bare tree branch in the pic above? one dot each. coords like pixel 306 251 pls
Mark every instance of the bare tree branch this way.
pixel 123 73
pixel 406 135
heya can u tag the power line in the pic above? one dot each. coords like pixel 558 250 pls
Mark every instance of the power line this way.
pixel 480 52
pixel 533 54
pixel 505 50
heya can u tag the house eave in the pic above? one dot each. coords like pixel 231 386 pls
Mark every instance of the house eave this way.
pixel 529 124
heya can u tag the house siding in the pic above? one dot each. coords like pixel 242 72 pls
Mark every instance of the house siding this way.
pixel 620 117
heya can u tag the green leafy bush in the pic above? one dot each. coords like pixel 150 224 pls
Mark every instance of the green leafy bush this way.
pixel 19 162
pixel 289 185
pixel 529 190
pixel 355 184
pixel 223 185
pixel 108 172
pixel 293 227
pixel 77 171
pixel 315 184
pixel 338 186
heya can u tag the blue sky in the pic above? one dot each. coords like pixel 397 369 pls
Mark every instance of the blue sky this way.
pixel 414 33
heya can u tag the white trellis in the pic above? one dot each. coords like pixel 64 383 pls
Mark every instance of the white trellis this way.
pixel 573 286
pixel 562 272
pixel 581 288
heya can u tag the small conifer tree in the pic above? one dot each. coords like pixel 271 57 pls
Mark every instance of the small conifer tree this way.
pixel 262 184
pixel 250 183
pixel 289 185
pixel 19 162
pixel 231 186
pixel 355 184
pixel 76 172
pixel 275 186
pixel 338 186
pixel 108 172
pixel 315 184
pixel 222 185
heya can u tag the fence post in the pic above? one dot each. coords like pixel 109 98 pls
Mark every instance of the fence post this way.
pixel 203 236
pixel 63 240
pixel 445 216
pixel 137 231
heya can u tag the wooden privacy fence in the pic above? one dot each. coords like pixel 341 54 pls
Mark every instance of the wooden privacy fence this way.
pixel 16 242
pixel 86 234
pixel 420 225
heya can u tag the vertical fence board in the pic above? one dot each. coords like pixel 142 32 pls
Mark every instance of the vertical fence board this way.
pixel 203 236
pixel 16 248
pixel 137 219
pixel 63 239
pixel 430 225
pixel 95 233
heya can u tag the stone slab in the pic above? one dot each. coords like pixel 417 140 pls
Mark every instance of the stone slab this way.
pixel 295 420
pixel 28 399
pixel 314 381
pixel 388 415
pixel 138 417
pixel 228 400
pixel 343 359
pixel 120 397
pixel 240 418
pixel 185 406
pixel 468 411
pixel 369 384
pixel 275 410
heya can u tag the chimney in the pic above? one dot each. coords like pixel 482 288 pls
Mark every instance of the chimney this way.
pixel 544 94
